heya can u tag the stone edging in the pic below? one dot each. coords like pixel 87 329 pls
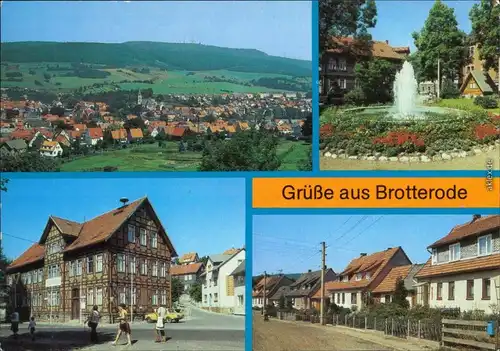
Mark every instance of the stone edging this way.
pixel 411 158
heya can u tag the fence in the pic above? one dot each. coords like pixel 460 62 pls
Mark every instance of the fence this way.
pixel 467 334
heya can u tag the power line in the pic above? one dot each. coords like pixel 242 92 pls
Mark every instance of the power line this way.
pixel 303 243
pixel 348 219
pixel 354 226
pixel 18 237
pixel 364 230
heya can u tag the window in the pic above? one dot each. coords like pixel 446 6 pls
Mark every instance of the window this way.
pixel 132 266
pixel 332 64
pixel 216 297
pixel 387 298
pixel 131 234
pixel 342 64
pixel 98 297
pixel 439 293
pixel 486 289
pixel 40 275
pixel 134 296
pixel 29 278
pixel 123 296
pixel 359 276
pixel 163 269
pixel 144 267
pixel 343 298
pixel 54 271
pixel 79 265
pixel 90 264
pixel 154 240
pixel 368 276
pixel 205 298
pixel 98 262
pixel 154 298
pixel 120 263
pixel 434 256
pixel 342 83
pixel 143 236
pixel 90 296
pixel 164 297
pixel 484 245
pixel 155 269
pixel 345 278
pixel 451 291
pixel 455 252
pixel 470 289
pixel 354 298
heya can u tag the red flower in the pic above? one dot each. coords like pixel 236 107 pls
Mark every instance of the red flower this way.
pixel 326 131
pixel 485 130
pixel 397 138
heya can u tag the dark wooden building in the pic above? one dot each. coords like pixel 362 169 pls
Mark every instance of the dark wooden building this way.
pixel 337 65
pixel 122 256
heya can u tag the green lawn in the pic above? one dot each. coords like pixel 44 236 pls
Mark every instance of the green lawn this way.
pixel 464 104
pixel 150 157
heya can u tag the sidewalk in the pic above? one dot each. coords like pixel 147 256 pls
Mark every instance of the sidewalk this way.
pixel 217 313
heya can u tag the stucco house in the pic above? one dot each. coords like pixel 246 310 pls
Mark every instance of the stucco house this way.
pixel 272 284
pixel 51 149
pixel 384 292
pixel 218 284
pixel 464 268
pixel 187 274
pixel 362 275
pixel 303 290
pixel 239 289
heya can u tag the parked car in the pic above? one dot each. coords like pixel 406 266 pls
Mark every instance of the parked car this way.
pixel 171 317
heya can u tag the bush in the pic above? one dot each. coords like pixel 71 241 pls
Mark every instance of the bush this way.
pixel 355 97
pixel 486 102
pixel 449 90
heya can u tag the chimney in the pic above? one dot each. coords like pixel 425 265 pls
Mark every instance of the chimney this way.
pixel 475 217
pixel 124 201
pixel 362 254
pixel 387 42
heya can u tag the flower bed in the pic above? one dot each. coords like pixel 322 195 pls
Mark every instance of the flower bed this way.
pixel 380 138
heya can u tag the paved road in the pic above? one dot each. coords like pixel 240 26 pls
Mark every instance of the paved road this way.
pixel 201 331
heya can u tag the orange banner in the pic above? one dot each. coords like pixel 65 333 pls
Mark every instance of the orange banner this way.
pixel 376 192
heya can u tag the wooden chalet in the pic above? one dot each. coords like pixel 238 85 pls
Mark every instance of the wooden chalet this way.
pixel 122 256
pixel 477 83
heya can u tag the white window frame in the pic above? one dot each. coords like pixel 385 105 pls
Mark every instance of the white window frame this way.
pixel 79 266
pixel 455 248
pixel 120 263
pixel 131 234
pixel 134 296
pixel 359 276
pixel 98 263
pixel 154 240
pixel 154 298
pixel 489 243
pixel 143 237
pixel 163 269
pixel 123 297
pixel 98 297
pixel 164 297
pixel 90 264
pixel 434 256
pixel 90 296
pixel 155 269
pixel 132 267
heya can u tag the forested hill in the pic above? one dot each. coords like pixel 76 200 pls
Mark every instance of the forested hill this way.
pixel 190 57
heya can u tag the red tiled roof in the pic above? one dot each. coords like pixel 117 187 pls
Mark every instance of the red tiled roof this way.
pixel 119 134
pixel 95 133
pixel 378 49
pixel 389 282
pixel 188 257
pixel 136 133
pixel 192 268
pixel 484 263
pixel 479 226
pixel 35 253
pixel 178 132
pixel 66 226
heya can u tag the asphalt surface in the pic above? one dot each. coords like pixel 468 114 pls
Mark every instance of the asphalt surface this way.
pixel 200 331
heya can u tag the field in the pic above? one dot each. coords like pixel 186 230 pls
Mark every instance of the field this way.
pixel 163 82
pixel 149 157
pixel 276 335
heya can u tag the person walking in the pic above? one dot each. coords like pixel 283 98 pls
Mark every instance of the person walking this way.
pixel 124 326
pixel 31 327
pixel 160 324
pixel 14 323
pixel 92 321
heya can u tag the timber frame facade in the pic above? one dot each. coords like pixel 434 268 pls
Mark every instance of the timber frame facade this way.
pixel 122 256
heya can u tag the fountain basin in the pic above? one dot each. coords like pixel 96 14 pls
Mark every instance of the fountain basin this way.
pixel 391 112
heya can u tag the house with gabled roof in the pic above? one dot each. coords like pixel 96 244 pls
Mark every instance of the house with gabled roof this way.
pixel 188 258
pixel 238 276
pixel 76 265
pixel 12 147
pixel 272 284
pixel 304 290
pixel 188 274
pixel 464 268
pixel 363 274
pixel 384 292
pixel 51 148
pixel 218 283
pixel 477 83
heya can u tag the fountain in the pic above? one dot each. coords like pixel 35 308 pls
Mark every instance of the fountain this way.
pixel 405 91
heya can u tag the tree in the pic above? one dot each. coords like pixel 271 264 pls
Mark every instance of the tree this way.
pixel 289 304
pixel 57 110
pixel 177 289
pixel 28 162
pixel 204 260
pixel 3 184
pixel 440 39
pixel 282 302
pixel 306 164
pixel 195 292
pixel 307 126
pixel 400 294
pixel 252 150
pixel 485 18
pixel 376 78
pixel 344 18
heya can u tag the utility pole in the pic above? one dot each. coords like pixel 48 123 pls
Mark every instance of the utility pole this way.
pixel 264 295
pixel 323 265
pixel 439 79
pixel 131 266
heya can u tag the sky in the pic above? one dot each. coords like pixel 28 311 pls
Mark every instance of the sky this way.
pixel 202 215
pixel 278 28
pixel 291 244
pixel 398 19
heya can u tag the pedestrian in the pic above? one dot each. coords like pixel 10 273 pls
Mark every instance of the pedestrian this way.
pixel 31 327
pixel 92 321
pixel 124 326
pixel 161 312
pixel 14 323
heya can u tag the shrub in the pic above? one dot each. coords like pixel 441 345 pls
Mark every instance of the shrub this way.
pixel 449 90
pixel 486 102
pixel 355 97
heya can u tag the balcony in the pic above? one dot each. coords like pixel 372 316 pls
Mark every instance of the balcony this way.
pixel 56 281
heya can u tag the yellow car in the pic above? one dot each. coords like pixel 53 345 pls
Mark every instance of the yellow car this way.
pixel 171 317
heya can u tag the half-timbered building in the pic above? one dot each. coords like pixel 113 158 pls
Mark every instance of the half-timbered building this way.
pixel 122 256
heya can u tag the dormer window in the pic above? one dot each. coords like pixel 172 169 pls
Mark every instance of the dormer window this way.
pixel 359 276
pixel 455 252
pixel 368 276
pixel 484 245
pixel 345 278
pixel 434 256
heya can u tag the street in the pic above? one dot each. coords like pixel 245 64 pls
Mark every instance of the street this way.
pixel 200 331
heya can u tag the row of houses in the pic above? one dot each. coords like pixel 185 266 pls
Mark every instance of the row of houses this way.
pixel 463 271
